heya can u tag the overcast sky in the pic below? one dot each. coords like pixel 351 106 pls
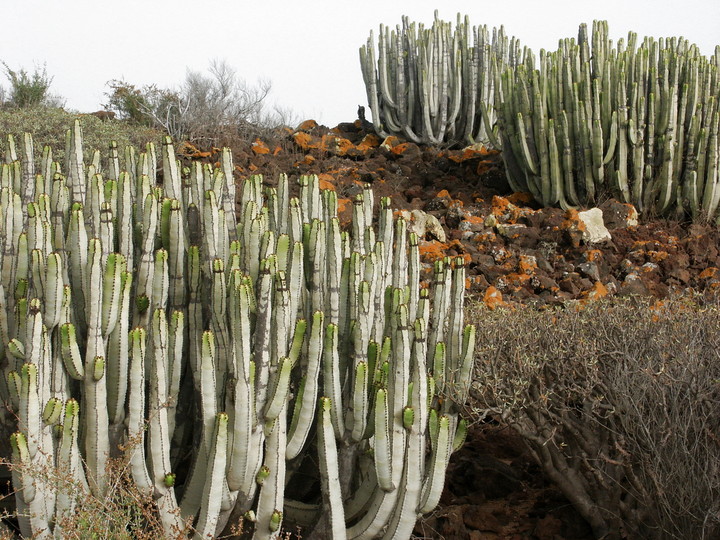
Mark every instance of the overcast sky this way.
pixel 307 49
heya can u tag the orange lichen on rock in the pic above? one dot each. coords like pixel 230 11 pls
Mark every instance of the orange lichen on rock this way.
pixel 657 256
pixel 475 220
pixel 443 193
pixel 520 197
pixel 474 281
pixel 368 142
pixel 188 150
pixel 326 181
pixel 432 251
pixel 499 205
pixel 484 166
pixel 259 147
pixel 592 255
pixel 327 143
pixel 455 203
pixel 573 226
pixel 515 281
pixel 307 160
pixel 305 140
pixel 343 204
pixel 573 221
pixel 342 146
pixel 471 152
pixel 493 298
pixel 527 264
pixel 709 273
pixel 503 209
pixel 597 291
pixel 389 142
pixel 307 125
pixel 400 149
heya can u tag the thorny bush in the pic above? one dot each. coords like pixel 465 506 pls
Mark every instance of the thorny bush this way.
pixel 619 402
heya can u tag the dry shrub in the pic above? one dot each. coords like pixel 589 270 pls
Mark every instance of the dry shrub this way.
pixel 208 110
pixel 48 126
pixel 124 513
pixel 619 402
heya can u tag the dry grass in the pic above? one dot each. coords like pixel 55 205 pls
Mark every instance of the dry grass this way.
pixel 123 514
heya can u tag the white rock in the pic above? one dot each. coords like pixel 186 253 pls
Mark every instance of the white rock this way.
pixel 422 223
pixel 595 229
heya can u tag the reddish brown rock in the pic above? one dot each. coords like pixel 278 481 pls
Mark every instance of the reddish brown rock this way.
pixel 493 298
pixel 619 215
pixel 307 125
pixel 304 140
pixel 259 147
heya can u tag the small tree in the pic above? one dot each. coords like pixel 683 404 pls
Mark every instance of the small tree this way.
pixel 31 90
pixel 128 102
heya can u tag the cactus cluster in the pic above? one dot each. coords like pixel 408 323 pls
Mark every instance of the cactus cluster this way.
pixel 252 362
pixel 637 121
pixel 436 85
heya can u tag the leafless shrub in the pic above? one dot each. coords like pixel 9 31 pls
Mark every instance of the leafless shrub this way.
pixel 620 404
pixel 207 110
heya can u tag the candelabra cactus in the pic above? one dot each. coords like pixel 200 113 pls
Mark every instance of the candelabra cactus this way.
pixel 636 121
pixel 436 85
pixel 238 356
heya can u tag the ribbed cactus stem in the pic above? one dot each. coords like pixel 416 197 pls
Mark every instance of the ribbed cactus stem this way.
pixel 305 404
pixel 330 472
pixel 434 482
pixel 212 490
pixel 75 164
pixel 270 501
pixel 206 379
pixel 72 486
pixel 158 429
pixel 136 411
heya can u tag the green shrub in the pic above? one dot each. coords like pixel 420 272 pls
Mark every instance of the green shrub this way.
pixel 30 90
pixel 49 125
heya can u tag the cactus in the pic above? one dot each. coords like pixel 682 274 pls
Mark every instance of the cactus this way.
pixel 432 85
pixel 637 121
pixel 226 356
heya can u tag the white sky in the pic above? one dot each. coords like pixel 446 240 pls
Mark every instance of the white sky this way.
pixel 307 49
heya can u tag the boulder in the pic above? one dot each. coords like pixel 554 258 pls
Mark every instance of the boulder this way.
pixel 595 229
pixel 619 215
pixel 423 224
